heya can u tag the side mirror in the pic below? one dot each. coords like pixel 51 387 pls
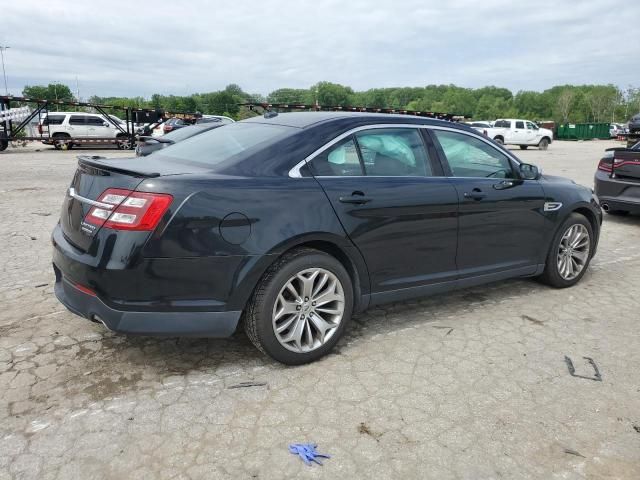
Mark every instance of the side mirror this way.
pixel 106 124
pixel 529 172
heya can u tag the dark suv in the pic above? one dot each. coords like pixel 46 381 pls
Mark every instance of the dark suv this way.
pixel 292 222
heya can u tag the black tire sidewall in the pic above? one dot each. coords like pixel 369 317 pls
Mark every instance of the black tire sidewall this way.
pixel 264 326
pixel 552 275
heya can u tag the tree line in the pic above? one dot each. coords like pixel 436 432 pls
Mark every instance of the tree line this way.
pixel 562 103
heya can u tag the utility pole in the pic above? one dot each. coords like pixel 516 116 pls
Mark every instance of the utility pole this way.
pixel 4 74
pixel 77 90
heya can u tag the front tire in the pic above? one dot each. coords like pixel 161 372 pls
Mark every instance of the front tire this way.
pixel 523 147
pixel 301 307
pixel 570 252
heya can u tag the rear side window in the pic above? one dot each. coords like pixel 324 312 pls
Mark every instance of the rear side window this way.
pixel 468 156
pixel 229 143
pixel 77 120
pixel 502 124
pixel 53 120
pixel 393 152
pixel 341 160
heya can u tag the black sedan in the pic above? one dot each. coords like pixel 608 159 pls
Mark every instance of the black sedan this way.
pixel 289 223
pixel 147 144
pixel 617 180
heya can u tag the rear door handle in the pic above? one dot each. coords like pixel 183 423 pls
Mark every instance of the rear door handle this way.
pixel 356 198
pixel 475 194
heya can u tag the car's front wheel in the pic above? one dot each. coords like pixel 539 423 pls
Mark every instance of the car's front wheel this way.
pixel 570 252
pixel 301 307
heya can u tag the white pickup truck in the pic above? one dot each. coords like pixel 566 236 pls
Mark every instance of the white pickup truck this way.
pixel 509 131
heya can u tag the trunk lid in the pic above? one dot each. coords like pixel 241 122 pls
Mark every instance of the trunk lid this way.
pixel 627 163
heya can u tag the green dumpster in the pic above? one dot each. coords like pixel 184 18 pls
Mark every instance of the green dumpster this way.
pixel 583 131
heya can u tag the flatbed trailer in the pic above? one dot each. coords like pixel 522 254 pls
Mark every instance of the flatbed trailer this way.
pixel 10 128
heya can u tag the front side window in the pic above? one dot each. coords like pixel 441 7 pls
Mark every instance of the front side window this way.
pixel 532 126
pixel 393 152
pixel 77 120
pixel 341 160
pixel 468 156
pixel 95 121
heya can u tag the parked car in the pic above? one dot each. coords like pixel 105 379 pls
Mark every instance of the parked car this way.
pixel 174 124
pixel 634 124
pixel 520 132
pixel 294 221
pixel 61 126
pixel 481 127
pixel 616 129
pixel 214 118
pixel 149 144
pixel 617 180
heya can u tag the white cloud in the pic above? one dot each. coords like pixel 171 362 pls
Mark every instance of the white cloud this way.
pixel 139 48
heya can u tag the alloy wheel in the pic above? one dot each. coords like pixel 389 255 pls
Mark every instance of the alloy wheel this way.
pixel 308 310
pixel 573 251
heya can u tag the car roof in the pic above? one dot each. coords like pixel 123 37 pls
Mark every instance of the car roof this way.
pixel 307 119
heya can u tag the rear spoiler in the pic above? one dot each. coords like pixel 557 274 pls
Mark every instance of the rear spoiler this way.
pixel 112 165
pixel 146 138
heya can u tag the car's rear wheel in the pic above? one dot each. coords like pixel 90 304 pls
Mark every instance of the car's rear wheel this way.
pixel 523 147
pixel 499 140
pixel 544 144
pixel 300 308
pixel 61 141
pixel 3 145
pixel 570 252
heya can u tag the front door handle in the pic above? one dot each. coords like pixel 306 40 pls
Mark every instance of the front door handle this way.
pixel 503 184
pixel 475 194
pixel 356 198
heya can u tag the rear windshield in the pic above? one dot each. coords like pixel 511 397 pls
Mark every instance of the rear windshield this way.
pixel 182 133
pixel 227 143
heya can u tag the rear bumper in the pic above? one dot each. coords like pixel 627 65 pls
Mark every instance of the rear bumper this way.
pixel 617 193
pixel 192 324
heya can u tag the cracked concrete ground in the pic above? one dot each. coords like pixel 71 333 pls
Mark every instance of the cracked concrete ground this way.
pixel 470 385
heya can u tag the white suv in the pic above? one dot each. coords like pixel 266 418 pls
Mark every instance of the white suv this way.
pixel 66 125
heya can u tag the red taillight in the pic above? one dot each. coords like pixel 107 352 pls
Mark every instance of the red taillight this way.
pixel 605 165
pixel 167 128
pixel 130 210
pixel 84 289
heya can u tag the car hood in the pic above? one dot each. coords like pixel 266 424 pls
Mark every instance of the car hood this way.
pixel 555 179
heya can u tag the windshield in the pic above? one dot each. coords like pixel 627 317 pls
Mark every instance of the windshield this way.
pixel 222 144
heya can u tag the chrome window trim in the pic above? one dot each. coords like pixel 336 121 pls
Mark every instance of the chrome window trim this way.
pixel 88 201
pixel 295 171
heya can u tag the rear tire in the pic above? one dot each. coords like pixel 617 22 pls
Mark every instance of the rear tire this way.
pixel 3 145
pixel 523 147
pixel 499 140
pixel 273 296
pixel 61 137
pixel 544 144
pixel 565 250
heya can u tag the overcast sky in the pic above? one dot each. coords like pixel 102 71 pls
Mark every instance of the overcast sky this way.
pixel 178 47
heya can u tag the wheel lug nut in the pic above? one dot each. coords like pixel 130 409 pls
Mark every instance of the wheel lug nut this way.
pixel 298 307
pixel 306 299
pixel 313 304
